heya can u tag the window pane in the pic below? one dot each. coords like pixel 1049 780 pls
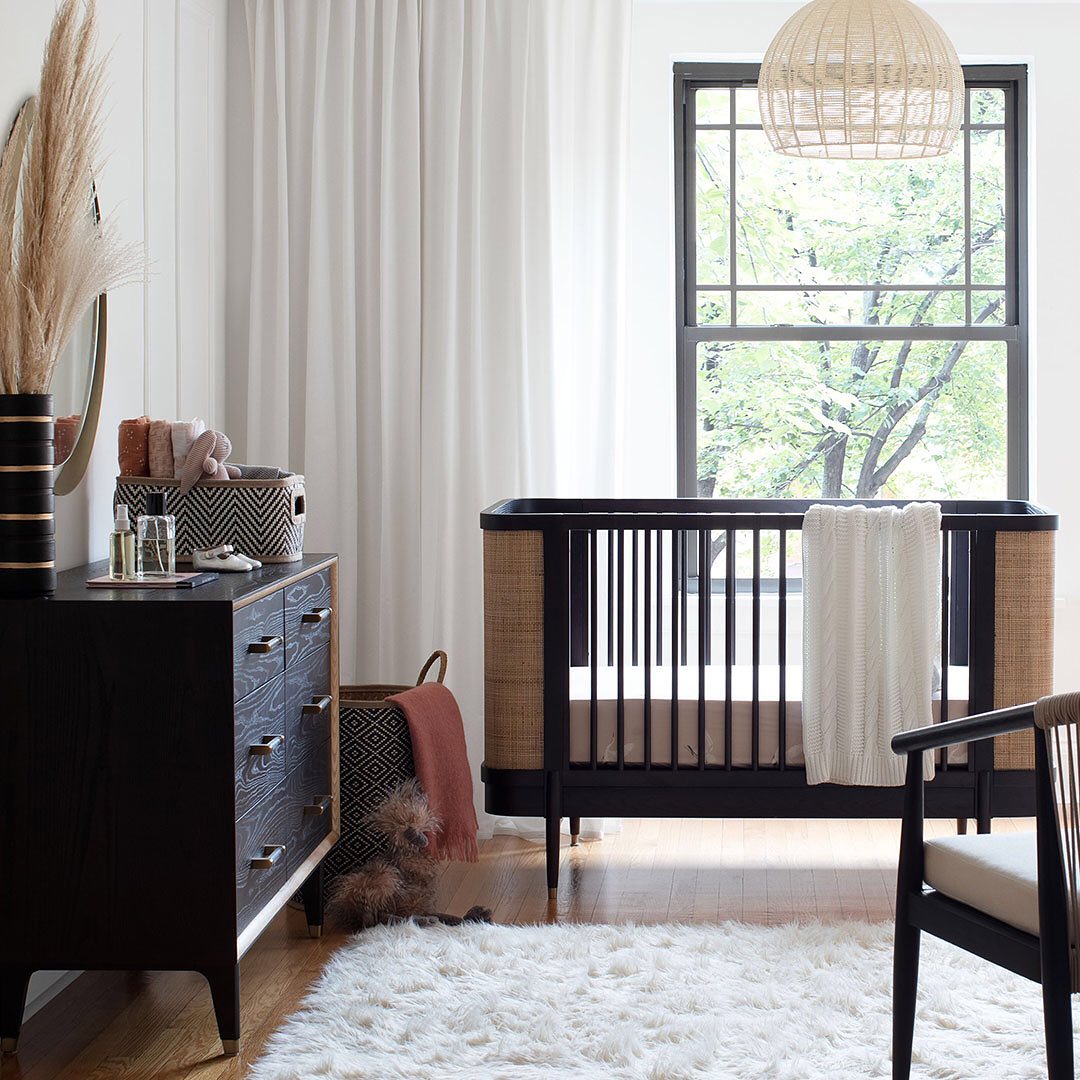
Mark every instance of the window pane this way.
pixel 852 308
pixel 988 207
pixel 713 207
pixel 987 106
pixel 746 105
pixel 712 107
pixel 847 223
pixel 714 308
pixel 796 419
pixel 988 308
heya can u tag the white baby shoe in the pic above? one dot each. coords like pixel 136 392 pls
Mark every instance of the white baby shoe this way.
pixel 223 558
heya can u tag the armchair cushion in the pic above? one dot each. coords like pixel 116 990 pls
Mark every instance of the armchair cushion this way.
pixel 995 873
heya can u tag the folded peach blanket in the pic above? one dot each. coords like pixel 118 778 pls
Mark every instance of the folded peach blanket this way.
pixel 184 433
pixel 134 447
pixel 442 767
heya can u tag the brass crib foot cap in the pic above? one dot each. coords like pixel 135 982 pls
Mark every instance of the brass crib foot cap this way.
pixel 230 1047
pixel 314 931
pixel 553 894
pixel 8 1046
pixel 573 839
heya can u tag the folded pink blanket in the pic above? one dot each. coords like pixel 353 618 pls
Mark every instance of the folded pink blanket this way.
pixel 184 433
pixel 161 452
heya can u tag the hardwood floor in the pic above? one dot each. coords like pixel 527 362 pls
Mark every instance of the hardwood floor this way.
pixel 160 1026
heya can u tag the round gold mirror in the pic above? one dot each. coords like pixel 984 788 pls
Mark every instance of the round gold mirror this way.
pixel 79 377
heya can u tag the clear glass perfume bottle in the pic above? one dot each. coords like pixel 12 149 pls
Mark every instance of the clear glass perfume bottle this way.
pixel 156 539
pixel 122 547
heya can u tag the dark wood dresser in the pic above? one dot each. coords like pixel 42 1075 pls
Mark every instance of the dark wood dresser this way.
pixel 168 774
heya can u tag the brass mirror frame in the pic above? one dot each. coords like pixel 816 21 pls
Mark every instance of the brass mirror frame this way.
pixel 70 472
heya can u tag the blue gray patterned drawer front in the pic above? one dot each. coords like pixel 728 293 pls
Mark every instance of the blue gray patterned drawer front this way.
pixel 258 644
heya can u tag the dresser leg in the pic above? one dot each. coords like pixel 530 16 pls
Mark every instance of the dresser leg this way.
pixel 225 990
pixel 13 984
pixel 312 891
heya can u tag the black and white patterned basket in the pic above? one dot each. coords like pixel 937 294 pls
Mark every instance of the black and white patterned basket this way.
pixel 261 518
pixel 376 756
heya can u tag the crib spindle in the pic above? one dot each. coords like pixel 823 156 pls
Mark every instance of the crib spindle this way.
pixel 755 697
pixel 781 648
pixel 729 641
pixel 634 597
pixel 674 649
pixel 703 599
pixel 647 639
pixel 610 597
pixel 943 713
pixel 620 675
pixel 684 593
pixel 594 642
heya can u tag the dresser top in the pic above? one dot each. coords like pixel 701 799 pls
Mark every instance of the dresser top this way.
pixel 235 589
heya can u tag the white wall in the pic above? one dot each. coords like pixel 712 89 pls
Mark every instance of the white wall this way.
pixel 1043 35
pixel 166 344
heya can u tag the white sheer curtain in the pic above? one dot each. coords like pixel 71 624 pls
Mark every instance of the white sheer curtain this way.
pixel 427 300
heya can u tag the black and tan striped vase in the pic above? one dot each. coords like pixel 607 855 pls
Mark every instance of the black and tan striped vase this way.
pixel 27 527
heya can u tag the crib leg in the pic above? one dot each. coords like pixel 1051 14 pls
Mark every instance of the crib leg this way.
pixel 575 830
pixel 982 800
pixel 554 828
pixel 961 826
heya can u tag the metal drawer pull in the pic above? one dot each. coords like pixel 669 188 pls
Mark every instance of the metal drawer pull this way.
pixel 319 806
pixel 319 615
pixel 269 744
pixel 319 705
pixel 265 645
pixel 271 856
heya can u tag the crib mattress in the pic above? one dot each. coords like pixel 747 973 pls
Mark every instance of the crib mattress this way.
pixel 741 709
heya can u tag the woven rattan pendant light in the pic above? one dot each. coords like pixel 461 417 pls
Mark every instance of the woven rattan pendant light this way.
pixel 861 79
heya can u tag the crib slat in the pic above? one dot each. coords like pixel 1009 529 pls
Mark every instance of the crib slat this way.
pixel 707 573
pixel 610 597
pixel 594 640
pixel 781 647
pixel 620 677
pixel 729 641
pixel 755 700
pixel 684 576
pixel 659 595
pixel 579 613
pixel 647 639
pixel 674 649
pixel 703 576
pixel 634 598
pixel 944 711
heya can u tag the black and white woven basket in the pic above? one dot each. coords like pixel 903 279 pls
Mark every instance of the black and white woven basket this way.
pixel 261 518
pixel 376 756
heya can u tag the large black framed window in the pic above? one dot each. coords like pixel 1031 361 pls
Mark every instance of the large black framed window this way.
pixel 850 329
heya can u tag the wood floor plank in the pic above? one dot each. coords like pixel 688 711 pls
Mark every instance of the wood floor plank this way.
pixel 159 1025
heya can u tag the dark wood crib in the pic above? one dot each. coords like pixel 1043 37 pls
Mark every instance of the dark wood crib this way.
pixel 642 659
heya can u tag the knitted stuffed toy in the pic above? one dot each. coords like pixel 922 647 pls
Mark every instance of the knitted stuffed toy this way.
pixel 206 458
pixel 401 883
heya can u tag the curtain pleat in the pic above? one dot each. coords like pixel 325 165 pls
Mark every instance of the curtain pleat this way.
pixel 436 194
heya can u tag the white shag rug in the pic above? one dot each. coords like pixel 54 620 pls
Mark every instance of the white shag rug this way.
pixel 650 1002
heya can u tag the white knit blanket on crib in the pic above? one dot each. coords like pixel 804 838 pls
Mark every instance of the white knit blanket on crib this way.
pixel 871 618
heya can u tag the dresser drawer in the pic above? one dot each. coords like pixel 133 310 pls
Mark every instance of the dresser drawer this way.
pixel 261 746
pixel 310 805
pixel 307 615
pixel 258 644
pixel 261 837
pixel 309 705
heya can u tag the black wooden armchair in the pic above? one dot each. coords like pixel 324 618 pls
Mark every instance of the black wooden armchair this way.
pixel 1010 898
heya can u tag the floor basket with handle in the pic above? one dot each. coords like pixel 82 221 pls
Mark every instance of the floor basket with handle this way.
pixel 376 756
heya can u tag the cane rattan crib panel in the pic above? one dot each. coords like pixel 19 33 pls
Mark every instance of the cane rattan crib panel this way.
pixel 514 650
pixel 1023 634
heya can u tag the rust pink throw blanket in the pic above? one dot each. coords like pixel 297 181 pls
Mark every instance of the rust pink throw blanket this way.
pixel 442 767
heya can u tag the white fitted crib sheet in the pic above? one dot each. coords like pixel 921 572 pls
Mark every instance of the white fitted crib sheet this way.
pixel 741 709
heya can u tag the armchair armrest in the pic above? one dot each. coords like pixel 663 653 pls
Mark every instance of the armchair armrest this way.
pixel 968 729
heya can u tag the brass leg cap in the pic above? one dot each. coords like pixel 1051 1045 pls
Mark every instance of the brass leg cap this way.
pixel 230 1047
pixel 553 894
pixel 8 1046
pixel 314 931
pixel 573 839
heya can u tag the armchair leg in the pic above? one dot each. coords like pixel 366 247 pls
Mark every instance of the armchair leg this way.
pixel 905 994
